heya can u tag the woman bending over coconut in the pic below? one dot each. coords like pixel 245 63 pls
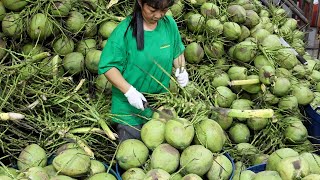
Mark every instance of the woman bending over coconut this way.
pixel 137 53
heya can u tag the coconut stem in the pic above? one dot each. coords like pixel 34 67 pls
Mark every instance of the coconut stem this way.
pixel 84 130
pixel 106 129
pixel 237 113
pixel 243 82
pixel 11 116
pixel 82 144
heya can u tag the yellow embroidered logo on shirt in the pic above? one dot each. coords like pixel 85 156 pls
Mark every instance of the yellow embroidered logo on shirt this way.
pixel 165 46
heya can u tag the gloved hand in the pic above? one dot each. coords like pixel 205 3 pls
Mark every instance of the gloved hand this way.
pixel 182 77
pixel 135 98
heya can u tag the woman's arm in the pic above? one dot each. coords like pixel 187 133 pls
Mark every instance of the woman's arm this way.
pixel 179 62
pixel 115 78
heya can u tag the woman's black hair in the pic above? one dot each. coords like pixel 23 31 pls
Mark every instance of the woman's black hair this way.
pixel 136 22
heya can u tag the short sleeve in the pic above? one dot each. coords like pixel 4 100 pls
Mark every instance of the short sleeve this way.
pixel 178 45
pixel 113 55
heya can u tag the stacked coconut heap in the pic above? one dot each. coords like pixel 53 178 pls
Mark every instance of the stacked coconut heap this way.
pixel 244 97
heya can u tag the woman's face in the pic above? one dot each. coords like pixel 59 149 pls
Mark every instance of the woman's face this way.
pixel 152 15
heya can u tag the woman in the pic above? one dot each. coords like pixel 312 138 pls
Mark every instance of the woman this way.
pixel 137 53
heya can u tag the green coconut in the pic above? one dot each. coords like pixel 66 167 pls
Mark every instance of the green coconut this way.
pixel 266 74
pixel 299 71
pixel 223 120
pixel 75 22
pixel 252 19
pixel 260 158
pixel 246 150
pixel 267 175
pixel 9 171
pixel 31 49
pixel 157 174
pixel 84 46
pixel 106 28
pixel 73 63
pixel 131 153
pixel 214 27
pixel 153 133
pixel 208 129
pixel 296 132
pixel 237 73
pixel 260 34
pixel 220 79
pixel 209 10
pixel 2 11
pixel 224 96
pixel 102 83
pixel 303 94
pixel 37 173
pixel 133 173
pixel 315 76
pixel 290 23
pixel 179 133
pixel 221 168
pixel 165 157
pixel 31 156
pixel 294 167
pixel 61 177
pixel 63 45
pixel 196 159
pixel 264 13
pixel 104 176
pixel 277 156
pixel 281 86
pixel 92 60
pixel 167 113
pixel 252 88
pixel 288 103
pixel 286 59
pixel 90 29
pixel 215 49
pixel 282 72
pixel 194 53
pixel 96 167
pixel 27 71
pixel 268 97
pixel 271 42
pixel 60 8
pixel 239 133
pixel 39 27
pixel 222 64
pixel 50 170
pixel 231 30
pixel 191 177
pixel 264 20
pixel 237 13
pixel 72 162
pixel 245 51
pixel 177 8
pixel 244 175
pixel 12 25
pixel 245 33
pixel 313 161
pixel 195 22
pixel 257 123
pixel 15 5
pixel 176 176
pixel 297 34
pixel 260 61
pixel 312 177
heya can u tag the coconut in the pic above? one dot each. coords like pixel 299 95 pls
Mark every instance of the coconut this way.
pixel 31 49
pixel 104 176
pixel 32 156
pixel 96 167
pixel 177 8
pixel 102 83
pixel 257 123
pixel 206 130
pixel 290 23
pixel 106 28
pixel 296 132
pixel 265 175
pixel 286 59
pixel 152 133
pixel 294 167
pixel 165 157
pixel 220 79
pixel 313 161
pixel 224 96
pixel 252 88
pixel 315 76
pixel 2 11
pixel 50 170
pixel 271 42
pixel 221 168
pixel 215 49
pixel 260 34
pixel 75 22
pixel 166 114
pixel 266 74
pixel 288 103
pixel 158 174
pixel 209 10
pixel 237 73
pixel 63 45
pixel 260 158
pixel 245 51
pixel 242 104
pixel 133 173
pixel 269 98
pixel 264 20
pixel 15 5
pixel 246 174
pixel 176 176
pixel 231 30
pixel 299 71
pixel 196 159
pixel 239 133
pixel 73 63
pixel 9 171
pixel 264 13
pixel 191 177
pixel 297 34
pixel 278 155
pixel 303 94
pixel 60 8
pixel 214 27
pixel 195 22
pixel 245 33
pixel 252 19
pixel 312 177
pixel 260 61
pixel 72 162
pixel 12 25
pixel 282 72
pixel 222 64
pixel 61 177
pixel 84 46
pixel 37 173
pixel 179 133
pixel 92 60
pixel 131 153
pixel 281 86
pixel 90 29
pixel 237 13
pixel 223 120
pixel 194 53
pixel 39 27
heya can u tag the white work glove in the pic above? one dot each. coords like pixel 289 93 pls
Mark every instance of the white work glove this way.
pixel 135 98
pixel 182 77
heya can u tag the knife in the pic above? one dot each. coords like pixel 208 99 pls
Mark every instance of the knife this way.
pixel 300 58
pixel 163 114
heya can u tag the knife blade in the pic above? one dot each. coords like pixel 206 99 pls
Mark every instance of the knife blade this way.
pixel 163 114
pixel 300 58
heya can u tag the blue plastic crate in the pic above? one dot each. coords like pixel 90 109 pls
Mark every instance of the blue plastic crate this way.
pixel 258 168
pixel 313 125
